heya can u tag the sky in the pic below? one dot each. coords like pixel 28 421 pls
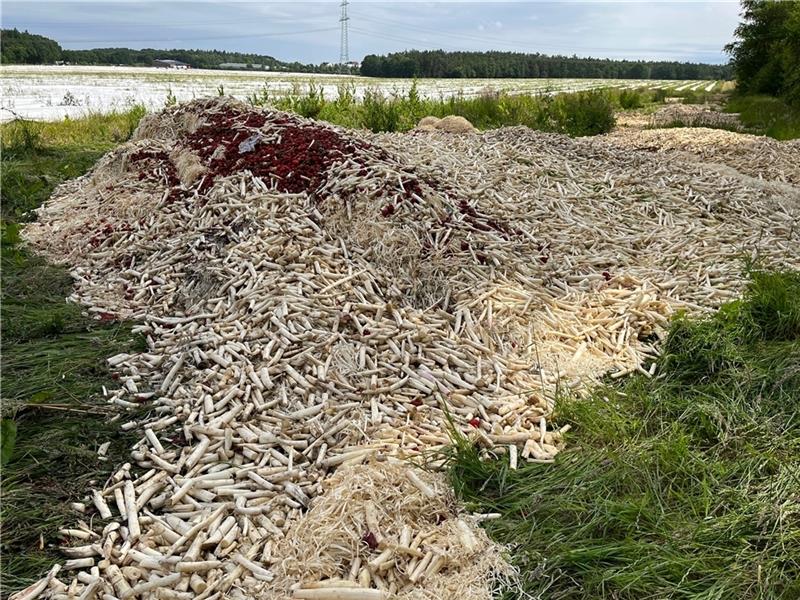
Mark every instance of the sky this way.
pixel 309 32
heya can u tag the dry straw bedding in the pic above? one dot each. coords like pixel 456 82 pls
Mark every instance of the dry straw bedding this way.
pixel 314 315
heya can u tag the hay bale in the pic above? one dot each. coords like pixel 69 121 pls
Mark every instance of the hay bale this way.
pixel 428 122
pixel 425 128
pixel 455 124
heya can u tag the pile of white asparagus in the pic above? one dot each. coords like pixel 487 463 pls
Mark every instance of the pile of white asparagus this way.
pixel 291 335
pixel 416 538
pixel 757 156
pixel 693 115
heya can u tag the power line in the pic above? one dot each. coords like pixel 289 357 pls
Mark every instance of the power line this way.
pixel 509 42
pixel 202 38
pixel 344 45
pixel 406 40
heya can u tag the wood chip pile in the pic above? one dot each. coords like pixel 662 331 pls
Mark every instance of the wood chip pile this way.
pixel 316 301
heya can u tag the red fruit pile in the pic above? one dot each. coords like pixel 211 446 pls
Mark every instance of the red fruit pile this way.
pixel 297 162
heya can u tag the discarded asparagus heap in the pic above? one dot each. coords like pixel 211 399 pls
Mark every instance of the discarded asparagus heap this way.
pixel 686 131
pixel 315 299
pixel 413 533
pixel 693 115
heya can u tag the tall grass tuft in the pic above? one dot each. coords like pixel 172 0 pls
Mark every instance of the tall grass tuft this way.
pixel 583 113
pixel 580 113
pixel 37 156
pixel 381 113
pixel 311 103
pixel 767 115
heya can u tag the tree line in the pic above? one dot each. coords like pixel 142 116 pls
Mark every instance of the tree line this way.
pixel 766 52
pixel 21 47
pixel 438 63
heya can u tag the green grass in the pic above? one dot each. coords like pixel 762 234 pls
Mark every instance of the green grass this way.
pixel 766 115
pixel 758 115
pixel 694 96
pixel 37 156
pixel 577 114
pixel 684 486
pixel 53 359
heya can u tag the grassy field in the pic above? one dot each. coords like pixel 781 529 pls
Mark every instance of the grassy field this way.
pixel 53 360
pixel 684 486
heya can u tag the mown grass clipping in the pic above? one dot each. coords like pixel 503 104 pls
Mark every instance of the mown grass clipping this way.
pixel 683 486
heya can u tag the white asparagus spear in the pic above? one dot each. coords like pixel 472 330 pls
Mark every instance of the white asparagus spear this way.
pixel 35 589
pixel 339 594
pixel 129 494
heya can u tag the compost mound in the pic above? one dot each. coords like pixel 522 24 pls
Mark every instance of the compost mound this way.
pixel 324 309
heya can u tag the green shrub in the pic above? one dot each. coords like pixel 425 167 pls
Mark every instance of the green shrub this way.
pixel 380 113
pixel 261 97
pixel 171 99
pixel 629 99
pixel 583 113
pixel 695 97
pixel 311 103
pixel 659 95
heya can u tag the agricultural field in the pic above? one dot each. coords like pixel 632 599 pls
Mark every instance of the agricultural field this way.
pixel 53 92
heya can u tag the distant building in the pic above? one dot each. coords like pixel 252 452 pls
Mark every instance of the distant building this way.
pixel 166 63
pixel 256 66
pixel 353 64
